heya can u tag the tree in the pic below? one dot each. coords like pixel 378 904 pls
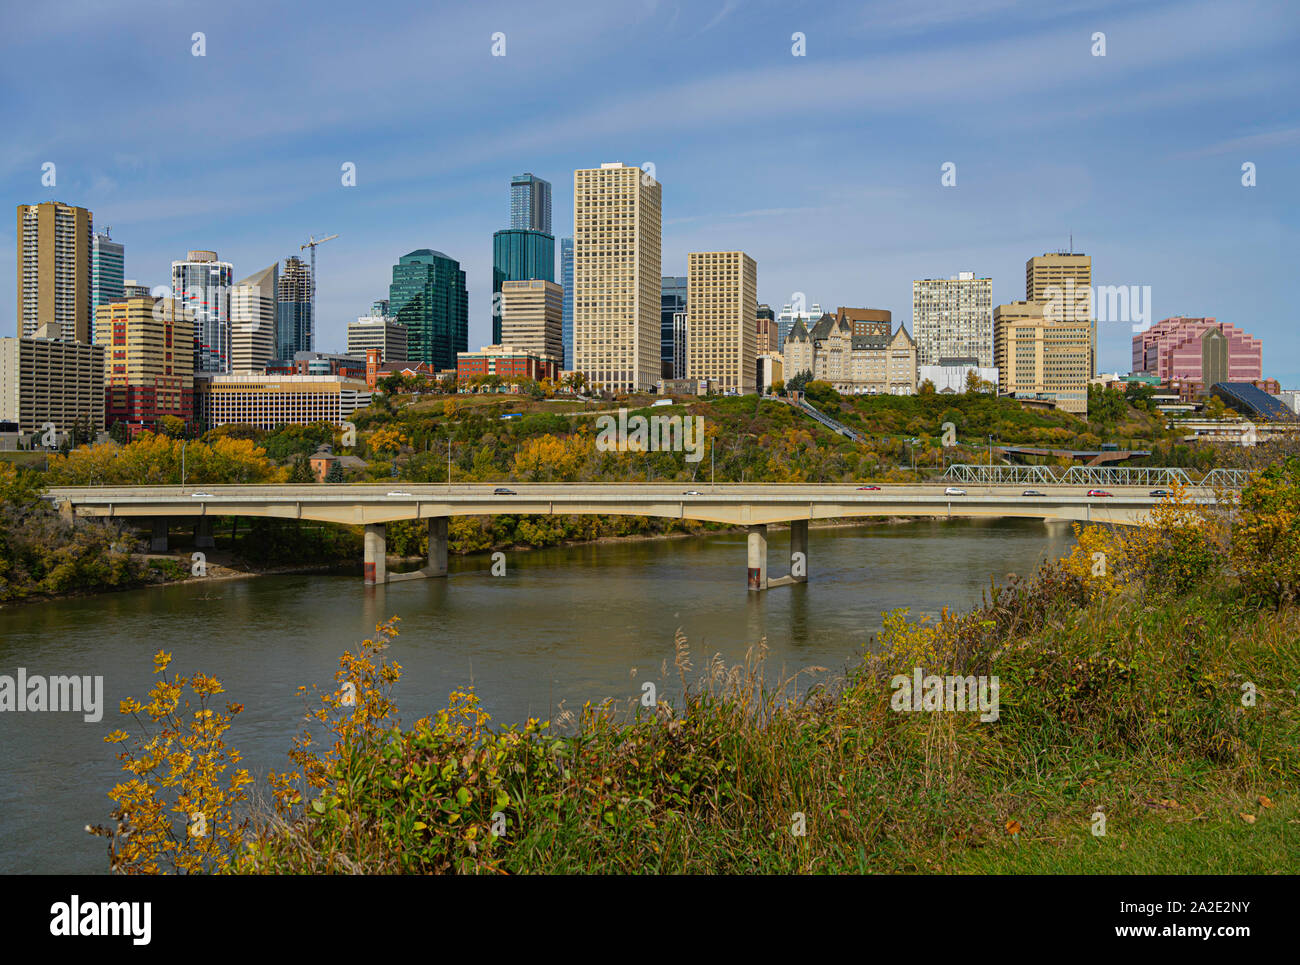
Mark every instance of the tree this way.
pixel 302 471
pixel 972 381
pixel 925 388
pixel 798 383
pixel 335 475
pixel 118 432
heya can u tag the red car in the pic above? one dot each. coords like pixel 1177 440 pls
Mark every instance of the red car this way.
pixel 870 488
pixel 1098 492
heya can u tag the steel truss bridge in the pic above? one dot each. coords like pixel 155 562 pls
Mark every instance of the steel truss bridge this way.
pixel 1092 476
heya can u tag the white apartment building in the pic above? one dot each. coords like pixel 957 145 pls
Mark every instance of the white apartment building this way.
pixel 953 318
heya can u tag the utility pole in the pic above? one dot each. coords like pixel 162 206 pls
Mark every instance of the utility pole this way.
pixel 449 459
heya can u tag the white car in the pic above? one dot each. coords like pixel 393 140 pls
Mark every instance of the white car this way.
pixel 396 493
pixel 201 495
pixel 954 491
pixel 692 492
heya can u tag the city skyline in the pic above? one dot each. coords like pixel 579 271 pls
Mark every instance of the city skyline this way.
pixel 852 217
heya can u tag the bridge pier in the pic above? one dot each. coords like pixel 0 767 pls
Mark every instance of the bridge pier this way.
pixel 203 534
pixel 799 550
pixel 758 557
pixel 376 550
pixel 158 543
pixel 437 547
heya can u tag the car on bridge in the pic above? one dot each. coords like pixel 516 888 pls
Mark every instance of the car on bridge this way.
pixel 954 491
pixel 1033 492
pixel 1160 492
pixel 1098 492
pixel 692 492
pixel 201 495
pixel 874 489
pixel 398 493
pixel 504 491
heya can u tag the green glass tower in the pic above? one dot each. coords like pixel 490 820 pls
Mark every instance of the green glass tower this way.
pixel 428 296
pixel 519 254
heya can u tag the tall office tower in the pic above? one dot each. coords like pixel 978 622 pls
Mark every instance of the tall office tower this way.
pixel 202 284
pixel 107 262
pixel 721 305
pixel 428 296
pixel 617 239
pixel 672 299
pixel 518 254
pixel 254 315
pixel 530 203
pixel 294 324
pixel 951 318
pixel 54 269
pixel 790 313
pixel 566 281
pixel 532 317
pixel 379 308
pixel 1064 280
pixel 149 360
pixel 1041 358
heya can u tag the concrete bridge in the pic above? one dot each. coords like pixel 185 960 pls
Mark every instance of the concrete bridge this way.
pixel 754 505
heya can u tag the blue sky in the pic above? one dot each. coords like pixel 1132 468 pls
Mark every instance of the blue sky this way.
pixel 825 168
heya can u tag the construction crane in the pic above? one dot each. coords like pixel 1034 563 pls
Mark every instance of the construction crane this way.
pixel 312 242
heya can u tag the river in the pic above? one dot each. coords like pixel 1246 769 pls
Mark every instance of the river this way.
pixel 565 624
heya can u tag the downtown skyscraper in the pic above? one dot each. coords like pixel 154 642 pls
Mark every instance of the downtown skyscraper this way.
pixel 202 285
pixel 530 203
pixel 294 326
pixel 617 258
pixel 54 255
pixel 107 270
pixel 526 250
pixel 429 297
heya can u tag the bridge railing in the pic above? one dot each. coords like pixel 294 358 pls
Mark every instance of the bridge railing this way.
pixel 1092 476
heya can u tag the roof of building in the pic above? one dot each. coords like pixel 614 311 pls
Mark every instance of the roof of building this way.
pixel 1250 400
pixel 798 332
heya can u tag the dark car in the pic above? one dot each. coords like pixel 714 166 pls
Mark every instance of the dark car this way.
pixel 503 491
pixel 1160 492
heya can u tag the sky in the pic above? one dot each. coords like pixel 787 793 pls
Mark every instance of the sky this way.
pixel 825 167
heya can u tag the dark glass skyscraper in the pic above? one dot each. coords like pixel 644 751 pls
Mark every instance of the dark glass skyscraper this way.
pixel 672 299
pixel 519 255
pixel 566 282
pixel 530 204
pixel 293 324
pixel 429 297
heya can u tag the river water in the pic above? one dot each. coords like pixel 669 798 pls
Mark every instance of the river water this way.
pixel 566 624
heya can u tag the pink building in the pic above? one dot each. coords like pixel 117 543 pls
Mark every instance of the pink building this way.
pixel 1198 350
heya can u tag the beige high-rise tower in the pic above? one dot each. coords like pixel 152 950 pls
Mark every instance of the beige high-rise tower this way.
pixel 617 238
pixel 721 304
pixel 253 316
pixel 54 248
pixel 1064 282
pixel 532 317
pixel 1039 357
